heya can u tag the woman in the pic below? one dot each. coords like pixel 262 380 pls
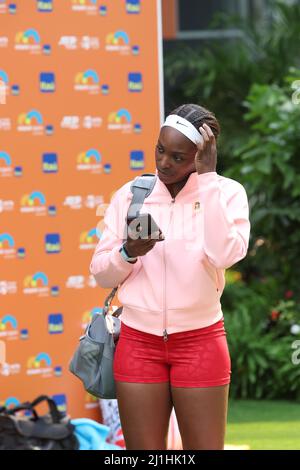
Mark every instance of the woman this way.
pixel 172 349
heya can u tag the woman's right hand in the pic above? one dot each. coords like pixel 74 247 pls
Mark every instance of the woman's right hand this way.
pixel 141 246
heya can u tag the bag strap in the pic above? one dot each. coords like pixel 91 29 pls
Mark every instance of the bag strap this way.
pixel 26 406
pixel 108 300
pixel 54 411
pixel 141 188
pixel 30 406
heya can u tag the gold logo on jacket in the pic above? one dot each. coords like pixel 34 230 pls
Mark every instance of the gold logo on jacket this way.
pixel 197 206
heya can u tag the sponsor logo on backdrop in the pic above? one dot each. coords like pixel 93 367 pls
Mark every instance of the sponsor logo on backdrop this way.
pixel 5 124
pixel 6 7
pixel 89 160
pixel 135 82
pixel 36 284
pixel 47 82
pixel 6 205
pixel 3 6
pixel 44 6
pixel 87 81
pixel 52 243
pixel 55 323
pixel 10 402
pixel 4 83
pixel 89 7
pixel 49 163
pixel 88 240
pixel 10 369
pixel 5 164
pixel 61 402
pixel 80 282
pixel 103 10
pixel 73 43
pixel 121 121
pixel 24 334
pixel 137 161
pixel 31 122
pixel 18 171
pixel 8 287
pixel 88 315
pixel 7 246
pixel 119 42
pixel 29 41
pixel 33 203
pixel 133 6
pixel 41 364
pixel 79 202
pixel 76 122
pixel 9 327
pixel 12 8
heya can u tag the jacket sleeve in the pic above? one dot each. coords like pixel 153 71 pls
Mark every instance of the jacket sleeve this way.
pixel 226 225
pixel 107 265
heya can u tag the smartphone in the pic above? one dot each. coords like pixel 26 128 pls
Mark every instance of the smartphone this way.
pixel 143 226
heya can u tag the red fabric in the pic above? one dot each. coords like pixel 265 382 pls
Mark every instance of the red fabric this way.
pixel 196 358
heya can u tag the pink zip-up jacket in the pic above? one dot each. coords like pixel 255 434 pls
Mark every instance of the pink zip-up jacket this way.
pixel 177 285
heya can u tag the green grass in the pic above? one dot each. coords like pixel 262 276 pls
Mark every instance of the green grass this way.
pixel 264 424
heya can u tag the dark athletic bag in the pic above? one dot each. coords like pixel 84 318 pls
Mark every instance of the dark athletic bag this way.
pixel 49 432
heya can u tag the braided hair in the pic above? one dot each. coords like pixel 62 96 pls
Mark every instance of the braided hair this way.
pixel 197 115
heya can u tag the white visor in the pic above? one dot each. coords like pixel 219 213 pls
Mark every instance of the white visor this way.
pixel 185 127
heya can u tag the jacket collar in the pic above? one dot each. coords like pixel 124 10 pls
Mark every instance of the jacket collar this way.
pixel 161 193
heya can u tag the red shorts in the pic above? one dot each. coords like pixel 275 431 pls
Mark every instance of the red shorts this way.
pixel 196 358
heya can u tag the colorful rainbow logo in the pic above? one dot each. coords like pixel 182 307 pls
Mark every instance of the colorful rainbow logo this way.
pixel 10 402
pixel 8 319
pixel 117 39
pixel 88 156
pixel 87 78
pixel 33 198
pixel 5 157
pixel 30 36
pixel 6 238
pixel 88 314
pixel 89 237
pixel 35 362
pixel 119 117
pixel 3 77
pixel 84 2
pixel 28 118
pixel 39 279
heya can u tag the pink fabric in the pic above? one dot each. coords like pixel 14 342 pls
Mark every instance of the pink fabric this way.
pixel 178 284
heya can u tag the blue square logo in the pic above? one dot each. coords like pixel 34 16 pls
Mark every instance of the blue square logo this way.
pixel 49 163
pixel 47 82
pixel 135 82
pixel 55 323
pixel 45 6
pixel 137 160
pixel 52 243
pixel 133 7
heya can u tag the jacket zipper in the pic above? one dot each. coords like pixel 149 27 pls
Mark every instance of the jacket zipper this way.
pixel 165 332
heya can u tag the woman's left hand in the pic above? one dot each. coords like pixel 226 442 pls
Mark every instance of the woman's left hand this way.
pixel 206 156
